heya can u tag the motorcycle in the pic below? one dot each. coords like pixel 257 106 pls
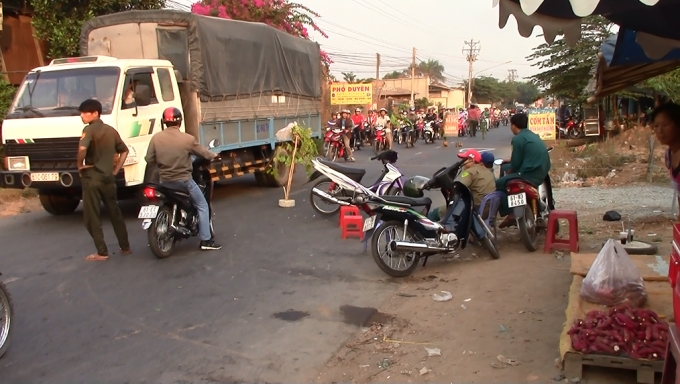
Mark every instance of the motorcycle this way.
pixel 336 147
pixel 170 216
pixel 327 140
pixel 411 136
pixel 572 129
pixel 380 141
pixel 410 235
pixel 428 133
pixel 356 140
pixel 531 206
pixel 389 183
pixel 6 317
pixel 505 120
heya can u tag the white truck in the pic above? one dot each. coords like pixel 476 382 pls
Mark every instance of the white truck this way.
pixel 236 83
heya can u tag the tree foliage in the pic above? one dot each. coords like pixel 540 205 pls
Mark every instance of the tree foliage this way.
pixel 565 70
pixel 293 18
pixel 487 89
pixel 431 68
pixel 395 75
pixel 667 84
pixel 352 78
pixel 58 22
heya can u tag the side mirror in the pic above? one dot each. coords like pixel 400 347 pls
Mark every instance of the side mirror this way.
pixel 142 95
pixel 498 162
pixel 213 143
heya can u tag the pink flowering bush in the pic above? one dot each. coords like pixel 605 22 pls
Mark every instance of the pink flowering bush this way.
pixel 292 18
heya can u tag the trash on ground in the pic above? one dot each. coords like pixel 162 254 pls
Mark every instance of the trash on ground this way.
pixel 433 352
pixel 463 306
pixel 503 329
pixel 467 300
pixel 445 297
pixel 424 371
pixel 559 255
pixel 611 216
pixel 364 366
pixel 384 363
pixel 507 361
pixel 406 294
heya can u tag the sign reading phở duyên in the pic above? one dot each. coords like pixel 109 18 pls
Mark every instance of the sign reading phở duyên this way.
pixel 349 94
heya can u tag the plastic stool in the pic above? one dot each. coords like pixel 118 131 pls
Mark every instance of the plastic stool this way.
pixel 348 210
pixel 551 242
pixel 353 225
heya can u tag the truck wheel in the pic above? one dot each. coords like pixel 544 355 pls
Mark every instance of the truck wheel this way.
pixel 57 204
pixel 266 179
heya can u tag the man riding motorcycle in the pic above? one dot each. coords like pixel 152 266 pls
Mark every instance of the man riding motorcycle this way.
pixel 385 121
pixel 346 124
pixel 529 161
pixel 358 119
pixel 170 150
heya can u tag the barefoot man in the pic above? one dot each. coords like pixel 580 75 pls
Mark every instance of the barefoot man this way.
pixel 99 144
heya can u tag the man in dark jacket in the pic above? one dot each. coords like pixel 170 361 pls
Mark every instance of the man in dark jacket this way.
pixel 346 124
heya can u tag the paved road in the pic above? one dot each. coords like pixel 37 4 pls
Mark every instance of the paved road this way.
pixel 214 317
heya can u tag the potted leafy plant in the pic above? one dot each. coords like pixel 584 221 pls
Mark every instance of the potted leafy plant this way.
pixel 299 147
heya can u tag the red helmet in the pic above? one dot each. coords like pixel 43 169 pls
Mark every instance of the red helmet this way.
pixel 471 154
pixel 172 117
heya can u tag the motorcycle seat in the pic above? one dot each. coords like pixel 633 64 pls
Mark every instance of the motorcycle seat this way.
pixel 525 182
pixel 412 201
pixel 177 192
pixel 349 171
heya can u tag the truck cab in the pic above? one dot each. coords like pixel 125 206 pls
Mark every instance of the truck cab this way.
pixel 42 129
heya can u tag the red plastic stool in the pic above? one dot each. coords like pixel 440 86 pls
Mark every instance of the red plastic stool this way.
pixel 353 225
pixel 348 210
pixel 551 242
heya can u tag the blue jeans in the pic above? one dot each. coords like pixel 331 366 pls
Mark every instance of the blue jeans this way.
pixel 199 202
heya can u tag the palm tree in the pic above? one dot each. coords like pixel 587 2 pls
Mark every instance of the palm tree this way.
pixel 349 77
pixel 431 68
pixel 394 75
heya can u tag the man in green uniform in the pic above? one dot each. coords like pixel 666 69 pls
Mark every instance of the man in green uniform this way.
pixel 475 176
pixel 99 145
pixel 529 161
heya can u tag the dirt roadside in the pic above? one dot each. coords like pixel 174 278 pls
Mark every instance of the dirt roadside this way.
pixel 512 307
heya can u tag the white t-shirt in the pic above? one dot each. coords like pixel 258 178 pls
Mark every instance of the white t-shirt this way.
pixel 384 121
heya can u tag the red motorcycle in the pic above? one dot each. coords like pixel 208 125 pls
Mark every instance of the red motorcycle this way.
pixel 572 129
pixel 336 146
pixel 380 142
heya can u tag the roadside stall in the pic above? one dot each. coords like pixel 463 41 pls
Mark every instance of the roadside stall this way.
pixel 594 334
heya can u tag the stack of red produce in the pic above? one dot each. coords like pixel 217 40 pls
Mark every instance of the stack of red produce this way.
pixel 622 331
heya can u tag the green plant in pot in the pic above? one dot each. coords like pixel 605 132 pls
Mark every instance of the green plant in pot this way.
pixel 300 149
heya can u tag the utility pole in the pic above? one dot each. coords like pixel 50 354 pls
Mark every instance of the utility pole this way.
pixel 413 77
pixel 512 75
pixel 377 66
pixel 471 51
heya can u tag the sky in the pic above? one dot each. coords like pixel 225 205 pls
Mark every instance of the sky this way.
pixel 359 29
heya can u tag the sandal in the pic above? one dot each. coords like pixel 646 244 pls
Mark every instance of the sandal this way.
pixel 125 251
pixel 96 257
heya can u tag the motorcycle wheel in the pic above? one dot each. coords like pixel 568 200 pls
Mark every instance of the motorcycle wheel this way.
pixel 396 231
pixel 334 153
pixel 394 191
pixel 574 133
pixel 527 230
pixel 376 146
pixel 161 241
pixel 6 316
pixel 320 204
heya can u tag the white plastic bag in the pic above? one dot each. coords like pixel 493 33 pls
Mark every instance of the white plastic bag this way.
pixel 613 279
pixel 286 134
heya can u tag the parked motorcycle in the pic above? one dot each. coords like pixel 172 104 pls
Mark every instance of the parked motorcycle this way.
pixel 531 206
pixel 428 133
pixel 170 216
pixel 380 141
pixel 325 192
pixel 409 235
pixel 6 317
pixel 572 129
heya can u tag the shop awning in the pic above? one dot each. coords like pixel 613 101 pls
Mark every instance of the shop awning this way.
pixel 622 63
pixel 654 20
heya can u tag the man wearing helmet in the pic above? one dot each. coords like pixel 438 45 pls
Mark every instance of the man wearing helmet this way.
pixel 476 177
pixel 358 121
pixel 170 150
pixel 346 124
pixel 384 121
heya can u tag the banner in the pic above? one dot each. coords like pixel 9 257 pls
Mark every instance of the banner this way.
pixel 350 94
pixel 542 123
pixel 451 124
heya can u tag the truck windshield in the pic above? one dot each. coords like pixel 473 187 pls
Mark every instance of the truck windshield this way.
pixel 59 93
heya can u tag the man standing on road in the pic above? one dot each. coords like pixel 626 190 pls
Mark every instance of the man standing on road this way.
pixel 99 145
pixel 474 114
pixel 171 150
pixel 529 161
pixel 347 125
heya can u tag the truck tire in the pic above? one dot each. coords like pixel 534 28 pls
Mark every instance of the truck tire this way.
pixel 57 204
pixel 266 179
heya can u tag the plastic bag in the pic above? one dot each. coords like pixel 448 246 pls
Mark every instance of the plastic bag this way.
pixel 613 279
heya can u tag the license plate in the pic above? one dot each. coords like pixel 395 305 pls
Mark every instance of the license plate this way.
pixel 369 223
pixel 46 176
pixel 148 212
pixel 517 200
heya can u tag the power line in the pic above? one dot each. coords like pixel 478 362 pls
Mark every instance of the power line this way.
pixel 512 75
pixel 471 51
